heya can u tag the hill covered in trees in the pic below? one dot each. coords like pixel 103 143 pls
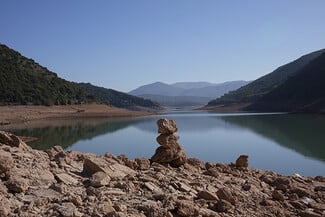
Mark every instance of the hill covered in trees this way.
pixel 260 87
pixel 303 92
pixel 25 82
pixel 118 99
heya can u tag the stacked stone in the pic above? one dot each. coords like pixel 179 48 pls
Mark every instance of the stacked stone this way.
pixel 169 151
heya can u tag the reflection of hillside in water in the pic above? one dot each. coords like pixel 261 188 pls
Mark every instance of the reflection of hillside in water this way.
pixel 67 132
pixel 195 123
pixel 302 133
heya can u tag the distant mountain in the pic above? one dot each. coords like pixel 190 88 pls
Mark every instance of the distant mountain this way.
pixel 157 88
pixel 260 87
pixel 118 99
pixel 185 93
pixel 190 85
pixel 177 101
pixel 23 81
pixel 302 92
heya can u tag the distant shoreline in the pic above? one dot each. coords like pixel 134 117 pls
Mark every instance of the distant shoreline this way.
pixel 21 114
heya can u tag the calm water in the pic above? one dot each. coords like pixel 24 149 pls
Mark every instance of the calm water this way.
pixel 287 144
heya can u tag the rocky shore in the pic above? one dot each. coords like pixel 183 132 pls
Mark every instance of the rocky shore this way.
pixel 72 184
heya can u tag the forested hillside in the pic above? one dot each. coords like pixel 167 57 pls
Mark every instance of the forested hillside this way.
pixel 23 81
pixel 258 88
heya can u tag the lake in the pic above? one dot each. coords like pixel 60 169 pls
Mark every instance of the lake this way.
pixel 286 144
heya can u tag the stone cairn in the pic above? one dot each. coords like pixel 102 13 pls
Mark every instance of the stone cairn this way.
pixel 169 151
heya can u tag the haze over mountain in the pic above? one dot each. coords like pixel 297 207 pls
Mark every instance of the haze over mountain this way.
pixel 265 84
pixel 296 86
pixel 23 81
pixel 185 93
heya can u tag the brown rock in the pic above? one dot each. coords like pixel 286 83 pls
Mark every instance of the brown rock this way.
pixel 143 163
pixel 13 141
pixel 196 163
pixel 99 179
pixel 206 195
pixel 277 195
pixel 5 209
pixel 173 155
pixel 309 213
pixel 92 165
pixel 319 188
pixel 223 206
pixel 167 139
pixel 208 165
pixel 187 208
pixel 6 161
pixel 242 161
pixel 166 126
pixel 301 192
pixel 66 179
pixel 17 184
pixel 67 209
pixel 225 194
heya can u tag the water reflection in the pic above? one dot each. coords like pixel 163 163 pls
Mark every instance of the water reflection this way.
pixel 68 132
pixel 273 142
pixel 301 133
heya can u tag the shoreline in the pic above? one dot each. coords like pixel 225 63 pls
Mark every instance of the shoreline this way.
pixel 10 115
pixel 74 184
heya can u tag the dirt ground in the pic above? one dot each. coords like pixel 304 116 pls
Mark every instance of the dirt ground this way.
pixel 22 114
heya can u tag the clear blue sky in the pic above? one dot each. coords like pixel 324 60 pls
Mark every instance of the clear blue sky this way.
pixel 124 44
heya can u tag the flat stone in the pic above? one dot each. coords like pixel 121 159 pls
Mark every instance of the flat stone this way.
pixel 277 195
pixel 309 213
pixel 66 179
pixel 152 187
pixel 99 179
pixel 223 206
pixel 226 195
pixel 207 195
pixel 67 209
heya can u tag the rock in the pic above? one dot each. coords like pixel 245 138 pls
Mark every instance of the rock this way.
pixel 246 187
pixel 186 208
pixel 196 163
pixel 92 165
pixel 319 188
pixel 66 209
pixel 208 213
pixel 143 163
pixel 209 165
pixel 66 179
pixel 6 161
pixel 309 213
pixel 277 195
pixel 99 179
pixel 174 155
pixel 242 161
pixel 152 187
pixel 13 141
pixel 17 184
pixel 223 206
pixel 166 126
pixel 5 209
pixel 206 195
pixel 226 195
pixel 167 140
pixel 301 192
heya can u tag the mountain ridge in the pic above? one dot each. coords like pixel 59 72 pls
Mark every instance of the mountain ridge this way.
pixel 25 82
pixel 182 92
pixel 261 86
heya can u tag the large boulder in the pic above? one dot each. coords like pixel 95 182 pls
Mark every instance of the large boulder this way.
pixel 13 141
